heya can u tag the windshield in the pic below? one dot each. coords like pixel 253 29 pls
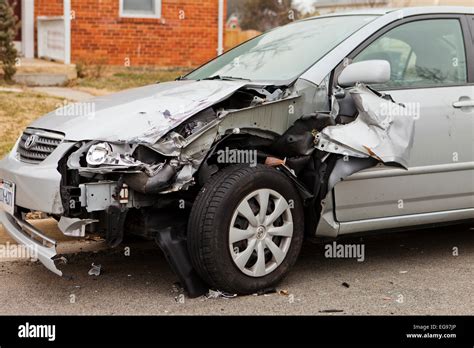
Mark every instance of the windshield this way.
pixel 283 53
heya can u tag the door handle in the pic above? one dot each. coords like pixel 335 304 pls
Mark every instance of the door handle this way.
pixel 467 103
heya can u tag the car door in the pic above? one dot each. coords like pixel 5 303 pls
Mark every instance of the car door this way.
pixel 433 77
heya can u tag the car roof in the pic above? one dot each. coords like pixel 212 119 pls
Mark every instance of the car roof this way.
pixel 406 11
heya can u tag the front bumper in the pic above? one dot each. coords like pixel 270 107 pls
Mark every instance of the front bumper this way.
pixel 39 245
pixel 37 185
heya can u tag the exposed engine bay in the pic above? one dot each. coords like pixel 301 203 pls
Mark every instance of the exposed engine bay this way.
pixel 107 185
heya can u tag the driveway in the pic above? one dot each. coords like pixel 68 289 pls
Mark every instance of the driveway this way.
pixel 405 273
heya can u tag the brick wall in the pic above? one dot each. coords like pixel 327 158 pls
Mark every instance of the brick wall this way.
pixel 48 8
pixel 99 34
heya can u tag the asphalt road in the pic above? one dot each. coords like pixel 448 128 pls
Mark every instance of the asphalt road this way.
pixel 404 273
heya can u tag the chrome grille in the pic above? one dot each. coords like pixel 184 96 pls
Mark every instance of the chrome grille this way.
pixel 36 145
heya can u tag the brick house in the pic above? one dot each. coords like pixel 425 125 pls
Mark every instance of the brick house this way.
pixel 168 33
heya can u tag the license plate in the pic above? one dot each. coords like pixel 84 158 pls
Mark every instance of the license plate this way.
pixel 7 196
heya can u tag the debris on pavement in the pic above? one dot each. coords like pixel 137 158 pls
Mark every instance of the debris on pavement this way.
pixel 346 285
pixel 95 270
pixel 60 260
pixel 177 287
pixel 219 294
pixel 331 311
pixel 265 292
pixel 403 272
pixel 284 292
pixel 95 238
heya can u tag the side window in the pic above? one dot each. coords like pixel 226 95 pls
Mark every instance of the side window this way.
pixel 424 53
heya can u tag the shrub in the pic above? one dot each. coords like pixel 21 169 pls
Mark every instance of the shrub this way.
pixel 8 28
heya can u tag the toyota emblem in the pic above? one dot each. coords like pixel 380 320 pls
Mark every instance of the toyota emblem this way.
pixel 31 141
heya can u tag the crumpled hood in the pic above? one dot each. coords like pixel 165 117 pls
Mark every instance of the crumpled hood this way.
pixel 141 115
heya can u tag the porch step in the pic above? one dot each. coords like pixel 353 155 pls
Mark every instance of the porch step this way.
pixel 41 79
pixel 39 72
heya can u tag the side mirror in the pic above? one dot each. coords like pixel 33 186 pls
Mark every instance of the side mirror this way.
pixel 367 72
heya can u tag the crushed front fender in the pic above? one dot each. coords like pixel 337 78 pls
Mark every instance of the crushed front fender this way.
pixel 383 130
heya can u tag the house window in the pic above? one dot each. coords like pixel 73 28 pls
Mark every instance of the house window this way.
pixel 140 8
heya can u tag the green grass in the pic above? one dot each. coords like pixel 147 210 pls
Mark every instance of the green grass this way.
pixel 17 111
pixel 117 79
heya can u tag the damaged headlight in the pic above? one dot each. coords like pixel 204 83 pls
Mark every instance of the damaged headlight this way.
pixel 104 154
pixel 97 154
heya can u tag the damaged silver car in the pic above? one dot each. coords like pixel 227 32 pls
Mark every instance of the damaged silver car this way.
pixel 324 127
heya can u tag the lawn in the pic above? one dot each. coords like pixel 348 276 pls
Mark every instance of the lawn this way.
pixel 18 110
pixel 118 78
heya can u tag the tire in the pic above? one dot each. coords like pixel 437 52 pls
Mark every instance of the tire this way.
pixel 223 265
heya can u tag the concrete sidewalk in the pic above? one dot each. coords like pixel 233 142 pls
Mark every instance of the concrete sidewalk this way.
pixel 60 92
pixel 67 93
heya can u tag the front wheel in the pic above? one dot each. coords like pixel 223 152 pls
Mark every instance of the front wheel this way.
pixel 246 229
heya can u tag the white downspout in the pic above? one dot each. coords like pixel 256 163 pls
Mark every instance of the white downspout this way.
pixel 67 31
pixel 28 28
pixel 220 28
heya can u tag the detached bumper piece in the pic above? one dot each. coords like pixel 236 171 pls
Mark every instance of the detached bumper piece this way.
pixel 43 247
pixel 167 228
pixel 176 253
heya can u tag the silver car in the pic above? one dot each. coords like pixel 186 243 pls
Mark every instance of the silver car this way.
pixel 325 127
